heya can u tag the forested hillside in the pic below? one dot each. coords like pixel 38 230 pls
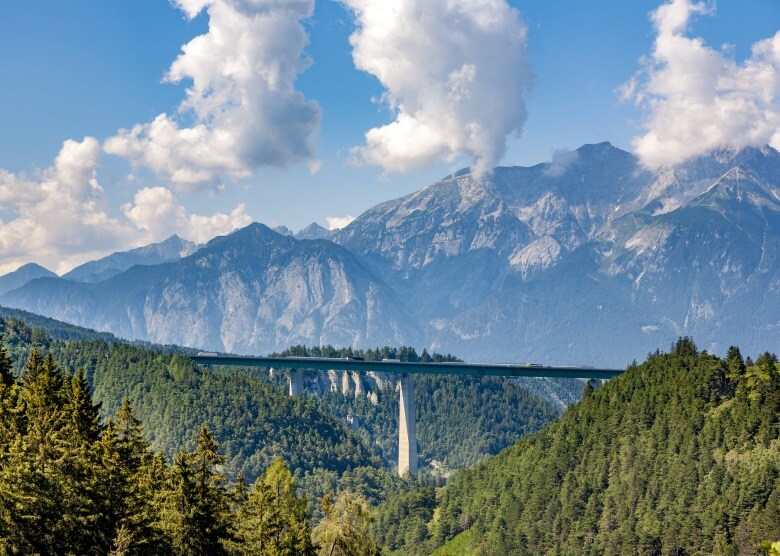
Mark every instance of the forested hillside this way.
pixel 460 420
pixel 254 421
pixel 71 484
pixel 680 455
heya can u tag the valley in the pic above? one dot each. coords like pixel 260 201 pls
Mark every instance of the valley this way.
pixel 499 268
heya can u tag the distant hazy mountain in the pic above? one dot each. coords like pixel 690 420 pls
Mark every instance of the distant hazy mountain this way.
pixel 284 230
pixel 171 249
pixel 22 275
pixel 314 231
pixel 252 291
pixel 591 259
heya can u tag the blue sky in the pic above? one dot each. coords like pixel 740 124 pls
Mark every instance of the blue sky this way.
pixel 91 68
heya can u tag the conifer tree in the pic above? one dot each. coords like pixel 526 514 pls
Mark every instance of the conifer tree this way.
pixel 273 520
pixel 735 364
pixel 83 416
pixel 344 529
pixel 6 366
pixel 196 515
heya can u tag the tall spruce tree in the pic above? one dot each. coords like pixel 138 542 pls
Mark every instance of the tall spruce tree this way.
pixel 273 520
pixel 196 512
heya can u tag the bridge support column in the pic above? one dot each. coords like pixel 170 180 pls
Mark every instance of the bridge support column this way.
pixel 296 382
pixel 407 429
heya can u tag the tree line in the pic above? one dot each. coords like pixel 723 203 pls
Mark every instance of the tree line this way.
pixel 71 483
pixel 679 455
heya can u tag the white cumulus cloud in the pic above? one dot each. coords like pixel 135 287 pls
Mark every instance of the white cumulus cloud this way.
pixel 60 217
pixel 696 97
pixel 454 72
pixel 241 108
pixel 156 211
pixel 338 222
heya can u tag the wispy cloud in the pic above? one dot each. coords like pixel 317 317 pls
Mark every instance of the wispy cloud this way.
pixel 455 74
pixel 696 98
pixel 560 162
pixel 338 222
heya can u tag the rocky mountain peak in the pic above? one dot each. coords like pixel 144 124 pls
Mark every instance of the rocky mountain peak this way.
pixel 313 231
pixel 22 275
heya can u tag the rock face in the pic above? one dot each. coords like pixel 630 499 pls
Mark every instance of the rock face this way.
pixel 314 231
pixel 252 291
pixel 22 275
pixel 589 260
pixel 172 249
pixel 597 261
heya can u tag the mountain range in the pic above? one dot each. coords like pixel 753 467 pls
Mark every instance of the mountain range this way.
pixel 592 259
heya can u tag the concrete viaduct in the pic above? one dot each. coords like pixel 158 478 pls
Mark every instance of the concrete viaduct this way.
pixel 407 433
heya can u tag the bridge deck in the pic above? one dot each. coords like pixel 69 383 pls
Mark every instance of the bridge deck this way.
pixel 470 369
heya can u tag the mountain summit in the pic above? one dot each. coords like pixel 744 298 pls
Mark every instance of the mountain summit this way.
pixel 252 291
pixel 171 249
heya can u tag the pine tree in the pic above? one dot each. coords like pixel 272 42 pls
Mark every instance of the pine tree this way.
pixel 6 367
pixel 33 483
pixel 196 514
pixel 735 364
pixel 344 530
pixel 273 520
pixel 83 416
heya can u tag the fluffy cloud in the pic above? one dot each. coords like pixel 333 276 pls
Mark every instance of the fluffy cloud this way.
pixel 156 211
pixel 61 216
pixel 454 72
pixel 244 108
pixel 338 222
pixel 696 98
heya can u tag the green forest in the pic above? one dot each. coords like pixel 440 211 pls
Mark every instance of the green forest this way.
pixel 460 421
pixel 679 455
pixel 112 448
pixel 71 484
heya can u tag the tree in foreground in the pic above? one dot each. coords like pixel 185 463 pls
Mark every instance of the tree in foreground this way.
pixel 344 529
pixel 272 520
pixel 195 511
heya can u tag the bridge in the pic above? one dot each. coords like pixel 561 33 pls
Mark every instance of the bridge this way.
pixel 407 431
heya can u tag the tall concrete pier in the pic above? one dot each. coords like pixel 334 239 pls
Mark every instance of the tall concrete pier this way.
pixel 407 428
pixel 407 431
pixel 296 382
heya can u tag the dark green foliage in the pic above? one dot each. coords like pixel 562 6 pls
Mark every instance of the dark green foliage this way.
pixel 254 421
pixel 6 366
pixel 69 485
pixel 53 328
pixel 402 519
pixel 680 455
pixel 271 519
pixel 460 420
pixel 195 512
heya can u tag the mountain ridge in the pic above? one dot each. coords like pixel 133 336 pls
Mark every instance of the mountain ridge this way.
pixel 546 263
pixel 22 275
pixel 170 249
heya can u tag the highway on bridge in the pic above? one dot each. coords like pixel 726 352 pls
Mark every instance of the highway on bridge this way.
pixel 407 428
pixel 404 367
